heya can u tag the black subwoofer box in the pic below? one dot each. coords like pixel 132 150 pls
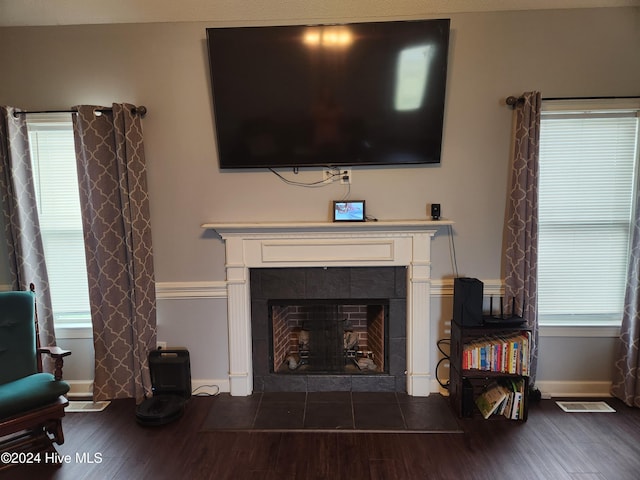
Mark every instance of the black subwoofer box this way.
pixel 467 301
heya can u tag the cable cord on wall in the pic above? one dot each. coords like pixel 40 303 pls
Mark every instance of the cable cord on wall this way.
pixel 347 194
pixel 446 357
pixel 452 250
pixel 195 392
pixel 320 183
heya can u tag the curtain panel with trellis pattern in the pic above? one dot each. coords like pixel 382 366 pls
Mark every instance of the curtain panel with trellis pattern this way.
pixel 521 226
pixel 117 234
pixel 626 371
pixel 22 227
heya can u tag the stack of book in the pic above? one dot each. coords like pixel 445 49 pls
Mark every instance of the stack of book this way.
pixel 504 354
pixel 505 398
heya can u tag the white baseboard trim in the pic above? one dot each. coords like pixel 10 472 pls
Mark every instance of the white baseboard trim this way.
pixel 84 388
pixel 557 389
pixel 80 389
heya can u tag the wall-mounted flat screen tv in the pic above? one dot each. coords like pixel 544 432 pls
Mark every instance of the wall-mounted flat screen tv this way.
pixel 353 94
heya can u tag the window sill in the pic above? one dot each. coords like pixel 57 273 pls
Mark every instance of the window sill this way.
pixel 603 331
pixel 74 331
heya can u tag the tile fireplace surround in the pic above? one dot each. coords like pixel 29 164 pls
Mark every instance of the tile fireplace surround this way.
pixel 327 244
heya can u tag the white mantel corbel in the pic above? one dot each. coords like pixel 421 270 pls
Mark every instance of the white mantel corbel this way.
pixel 328 244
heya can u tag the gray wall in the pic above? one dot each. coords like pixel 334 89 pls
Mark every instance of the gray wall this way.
pixel 164 66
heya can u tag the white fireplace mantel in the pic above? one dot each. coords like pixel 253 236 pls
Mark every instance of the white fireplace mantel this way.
pixel 329 244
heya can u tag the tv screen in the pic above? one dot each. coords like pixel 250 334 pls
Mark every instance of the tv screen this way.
pixel 323 95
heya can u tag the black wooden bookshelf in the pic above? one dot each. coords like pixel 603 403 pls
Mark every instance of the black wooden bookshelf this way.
pixel 466 384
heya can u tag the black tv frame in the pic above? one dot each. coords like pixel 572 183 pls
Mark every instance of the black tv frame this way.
pixel 389 137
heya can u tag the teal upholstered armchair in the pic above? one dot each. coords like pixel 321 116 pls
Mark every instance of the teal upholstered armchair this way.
pixel 31 402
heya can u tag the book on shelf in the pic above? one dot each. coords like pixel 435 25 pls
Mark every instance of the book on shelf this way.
pixel 514 408
pixel 491 399
pixel 504 398
pixel 499 353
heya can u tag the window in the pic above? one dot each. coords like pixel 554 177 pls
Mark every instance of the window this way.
pixel 588 162
pixel 56 183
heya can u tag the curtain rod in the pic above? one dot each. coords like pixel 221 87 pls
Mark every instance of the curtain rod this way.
pixel 141 110
pixel 512 101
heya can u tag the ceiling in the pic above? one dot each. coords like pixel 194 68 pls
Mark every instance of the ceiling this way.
pixel 75 12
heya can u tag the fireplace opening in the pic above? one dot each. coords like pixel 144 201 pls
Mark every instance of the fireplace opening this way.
pixel 334 336
pixel 277 292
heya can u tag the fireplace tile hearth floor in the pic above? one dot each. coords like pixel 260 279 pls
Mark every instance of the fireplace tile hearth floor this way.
pixel 332 411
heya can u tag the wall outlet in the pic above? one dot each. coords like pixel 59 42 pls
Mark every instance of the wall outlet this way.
pixel 161 345
pixel 334 174
pixel 330 174
pixel 345 176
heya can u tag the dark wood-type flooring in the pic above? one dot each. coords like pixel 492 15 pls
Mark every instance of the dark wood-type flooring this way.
pixel 552 444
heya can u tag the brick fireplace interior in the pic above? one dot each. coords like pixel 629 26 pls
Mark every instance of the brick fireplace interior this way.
pixel 328 337
pixel 329 329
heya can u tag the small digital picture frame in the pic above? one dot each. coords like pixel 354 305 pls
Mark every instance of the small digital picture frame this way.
pixel 348 211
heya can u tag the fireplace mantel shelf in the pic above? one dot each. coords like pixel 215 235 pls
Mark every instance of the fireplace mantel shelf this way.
pixel 270 227
pixel 329 244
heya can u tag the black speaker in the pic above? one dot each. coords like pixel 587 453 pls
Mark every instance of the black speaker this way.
pixel 467 301
pixel 435 211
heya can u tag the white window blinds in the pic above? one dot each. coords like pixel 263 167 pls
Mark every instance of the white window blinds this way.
pixel 56 182
pixel 587 177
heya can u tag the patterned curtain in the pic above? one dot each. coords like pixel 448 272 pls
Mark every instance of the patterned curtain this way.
pixel 117 232
pixel 626 384
pixel 521 235
pixel 22 227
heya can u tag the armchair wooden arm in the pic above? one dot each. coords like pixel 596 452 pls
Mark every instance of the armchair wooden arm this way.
pixel 57 354
pixel 54 352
